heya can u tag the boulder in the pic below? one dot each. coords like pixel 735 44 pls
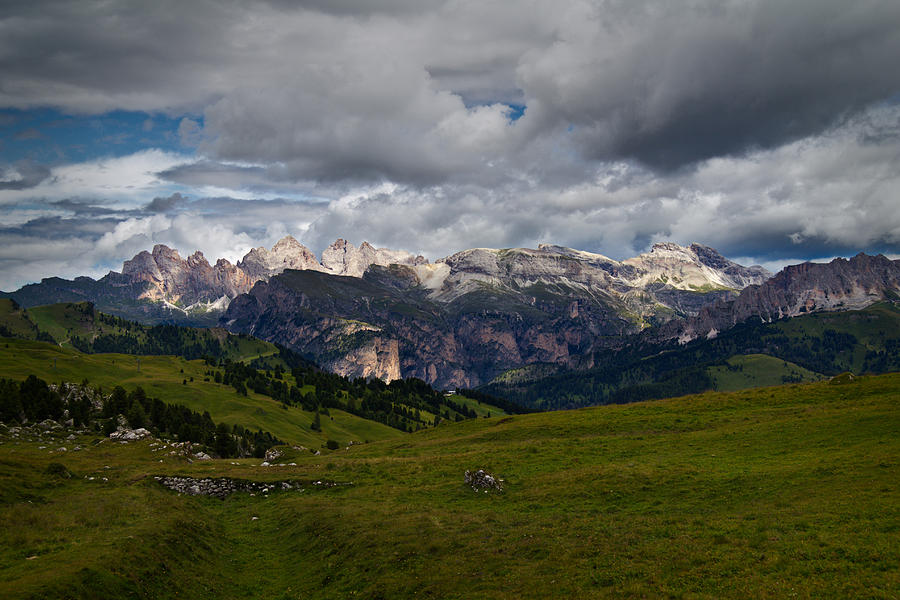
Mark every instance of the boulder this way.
pixel 481 480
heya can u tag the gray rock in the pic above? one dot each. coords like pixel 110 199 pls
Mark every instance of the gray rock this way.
pixel 481 480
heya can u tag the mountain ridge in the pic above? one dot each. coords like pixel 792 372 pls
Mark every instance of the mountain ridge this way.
pixel 842 284
pixel 460 321
pixel 374 312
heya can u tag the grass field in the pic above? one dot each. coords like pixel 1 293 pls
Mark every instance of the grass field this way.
pixel 783 492
pixel 163 377
pixel 481 409
pixel 758 370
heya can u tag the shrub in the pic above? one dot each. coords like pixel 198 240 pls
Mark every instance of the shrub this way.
pixel 58 470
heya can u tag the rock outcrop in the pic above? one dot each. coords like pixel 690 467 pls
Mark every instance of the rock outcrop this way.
pixel 343 258
pixel 184 282
pixel 179 281
pixel 222 487
pixel 482 481
pixel 260 264
pixel 798 289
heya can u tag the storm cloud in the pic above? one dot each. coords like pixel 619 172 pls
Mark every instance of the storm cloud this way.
pixel 767 129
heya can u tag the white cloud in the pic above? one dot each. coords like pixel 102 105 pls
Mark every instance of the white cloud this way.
pixel 123 180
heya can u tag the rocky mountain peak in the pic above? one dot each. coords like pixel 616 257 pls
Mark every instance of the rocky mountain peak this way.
pixel 694 267
pixel 287 253
pixel 343 258
pixel 197 260
pixel 287 243
pixel 161 252
pixel 142 264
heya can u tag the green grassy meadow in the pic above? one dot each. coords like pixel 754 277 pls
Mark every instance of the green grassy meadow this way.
pixel 482 409
pixel 163 377
pixel 758 370
pixel 780 492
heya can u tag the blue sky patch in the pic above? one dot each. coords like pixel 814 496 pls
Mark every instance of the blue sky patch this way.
pixel 49 136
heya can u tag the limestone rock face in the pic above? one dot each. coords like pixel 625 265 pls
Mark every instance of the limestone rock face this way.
pixel 798 289
pixel 182 282
pixel 379 358
pixel 260 264
pixel 343 258
pixel 172 279
pixel 650 278
pixel 694 267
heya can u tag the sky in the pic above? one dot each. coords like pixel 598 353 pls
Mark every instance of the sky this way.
pixel 769 130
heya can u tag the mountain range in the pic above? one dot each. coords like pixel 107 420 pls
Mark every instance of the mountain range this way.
pixel 465 319
pixel 366 311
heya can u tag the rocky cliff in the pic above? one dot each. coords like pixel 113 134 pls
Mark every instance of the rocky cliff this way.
pixel 798 289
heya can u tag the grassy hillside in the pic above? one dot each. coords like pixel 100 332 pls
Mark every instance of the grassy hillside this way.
pixel 773 493
pixel 741 372
pixel 274 373
pixel 163 377
pixel 14 320
pixel 79 325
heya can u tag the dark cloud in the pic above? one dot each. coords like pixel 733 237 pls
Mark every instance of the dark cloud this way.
pixel 212 173
pixel 23 175
pixel 85 208
pixel 389 90
pixel 57 227
pixel 359 8
pixel 670 85
pixel 162 205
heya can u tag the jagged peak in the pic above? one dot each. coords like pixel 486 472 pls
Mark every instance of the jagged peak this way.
pixel 341 243
pixel 162 249
pixel 287 241
pixel 197 259
pixel 668 246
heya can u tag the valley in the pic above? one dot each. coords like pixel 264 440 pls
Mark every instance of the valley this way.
pixel 765 493
pixel 763 452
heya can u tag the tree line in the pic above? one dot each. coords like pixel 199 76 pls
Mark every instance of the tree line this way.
pixel 33 400
pixel 403 404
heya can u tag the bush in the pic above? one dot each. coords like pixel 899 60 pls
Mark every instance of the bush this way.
pixel 58 470
pixel 332 444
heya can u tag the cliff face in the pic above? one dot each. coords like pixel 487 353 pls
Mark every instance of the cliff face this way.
pixel 470 316
pixel 184 282
pixel 384 324
pixel 172 279
pixel 798 289
pixel 343 258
